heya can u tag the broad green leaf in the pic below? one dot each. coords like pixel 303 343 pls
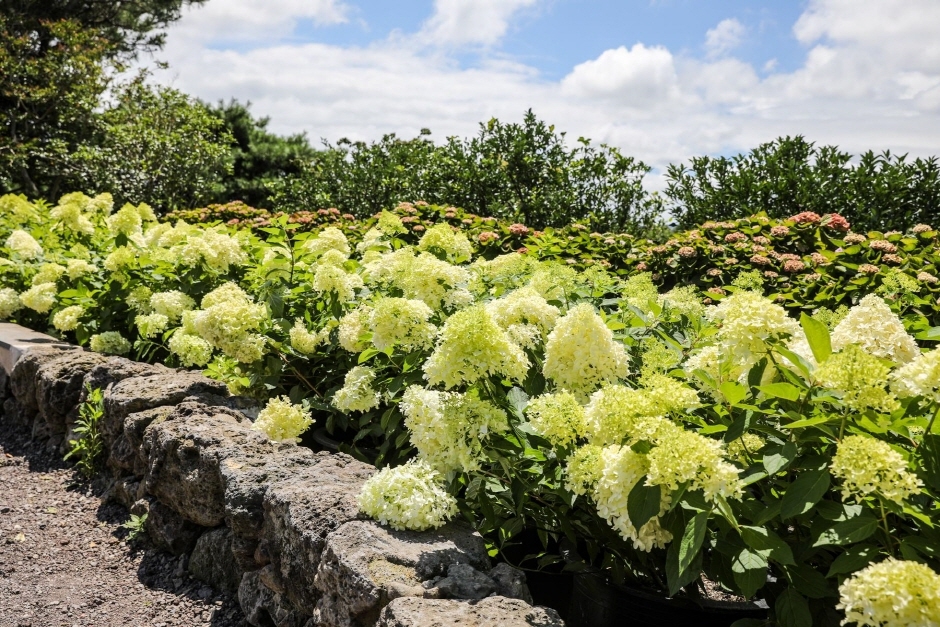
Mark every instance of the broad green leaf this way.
pixel 692 539
pixel 807 422
pixel 738 426
pixel 817 334
pixel 674 578
pixel 779 457
pixel 785 391
pixel 852 559
pixel 848 531
pixel 518 399
pixel 792 610
pixel 803 493
pixel 808 581
pixel 931 334
pixel 733 392
pixel 929 456
pixel 750 571
pixel 643 503
pixel 767 543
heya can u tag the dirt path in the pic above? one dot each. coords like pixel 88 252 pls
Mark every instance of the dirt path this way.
pixel 64 560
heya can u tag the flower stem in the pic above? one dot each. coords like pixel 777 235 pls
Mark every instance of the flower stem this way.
pixel 929 426
pixel 884 524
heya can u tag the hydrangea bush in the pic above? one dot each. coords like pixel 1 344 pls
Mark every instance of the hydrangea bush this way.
pixel 578 418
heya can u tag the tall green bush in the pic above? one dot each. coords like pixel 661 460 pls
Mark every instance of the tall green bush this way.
pixel 519 172
pixel 790 175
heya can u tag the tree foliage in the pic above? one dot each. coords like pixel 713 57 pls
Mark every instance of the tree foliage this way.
pixel 790 175
pixel 48 93
pixel 524 172
pixel 126 26
pixel 57 58
pixel 258 157
pixel 158 144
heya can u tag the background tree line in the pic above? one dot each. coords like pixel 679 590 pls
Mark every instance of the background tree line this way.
pixel 71 119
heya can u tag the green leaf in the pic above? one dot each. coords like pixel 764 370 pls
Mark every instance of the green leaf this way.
pixel 817 334
pixel 518 399
pixel 691 542
pixel 733 392
pixel 929 454
pixel 767 543
pixel 931 334
pixel 780 390
pixel 674 578
pixel 750 571
pixel 738 427
pixel 792 610
pixel 848 531
pixel 803 493
pixel 852 559
pixel 643 503
pixel 779 457
pixel 808 422
pixel 808 581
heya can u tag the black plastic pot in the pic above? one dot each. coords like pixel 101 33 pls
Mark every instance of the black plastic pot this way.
pixel 597 603
pixel 323 440
pixel 551 590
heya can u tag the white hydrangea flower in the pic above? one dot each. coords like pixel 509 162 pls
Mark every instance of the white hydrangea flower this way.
pixel 9 303
pixel 872 325
pixel 24 244
pixel 67 319
pixel 357 393
pixel 110 343
pixel 283 421
pixel 892 593
pixel 407 497
pixel 448 428
pixel 40 298
pixel 581 352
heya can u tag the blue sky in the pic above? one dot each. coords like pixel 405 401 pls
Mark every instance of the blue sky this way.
pixel 662 79
pixel 557 35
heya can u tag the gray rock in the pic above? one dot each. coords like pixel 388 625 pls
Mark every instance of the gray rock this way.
pixel 169 531
pixel 124 492
pixel 213 468
pixel 463 581
pixel 16 414
pixel 260 465
pixel 23 378
pixel 184 459
pixel 141 507
pixel 299 512
pixel 510 582
pixel 125 452
pixel 263 607
pixel 415 612
pixel 139 393
pixel 59 386
pixel 116 369
pixel 213 562
pixel 365 565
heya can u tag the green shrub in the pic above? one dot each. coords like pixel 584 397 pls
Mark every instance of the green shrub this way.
pixel 88 446
pixel 791 175
pixel 579 417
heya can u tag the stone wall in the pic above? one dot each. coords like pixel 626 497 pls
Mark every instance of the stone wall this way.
pixel 277 522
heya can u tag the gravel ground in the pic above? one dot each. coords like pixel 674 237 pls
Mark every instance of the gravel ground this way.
pixel 65 560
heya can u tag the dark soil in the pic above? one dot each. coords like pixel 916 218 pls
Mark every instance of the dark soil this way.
pixel 65 560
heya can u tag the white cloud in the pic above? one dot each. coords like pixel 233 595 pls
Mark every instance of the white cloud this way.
pixel 858 87
pixel 724 38
pixel 638 77
pixel 253 20
pixel 461 22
